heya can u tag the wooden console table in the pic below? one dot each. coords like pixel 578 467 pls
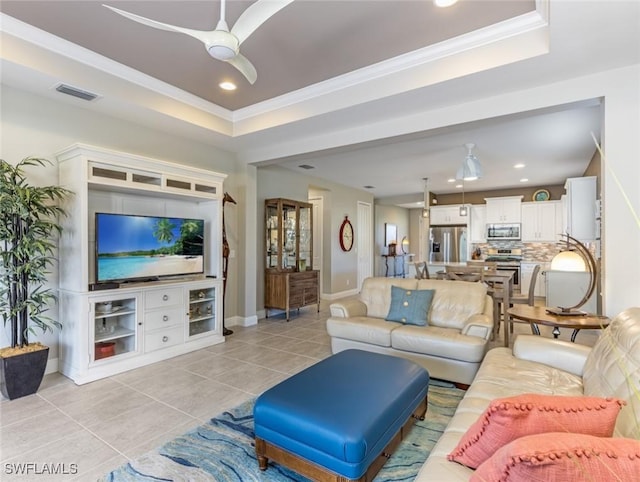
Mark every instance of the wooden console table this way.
pixel 395 264
pixel 537 315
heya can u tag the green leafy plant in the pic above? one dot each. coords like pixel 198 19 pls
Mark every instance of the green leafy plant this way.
pixel 28 232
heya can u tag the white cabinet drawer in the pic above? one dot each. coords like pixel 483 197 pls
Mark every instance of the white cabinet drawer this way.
pixel 154 320
pixel 163 338
pixel 157 298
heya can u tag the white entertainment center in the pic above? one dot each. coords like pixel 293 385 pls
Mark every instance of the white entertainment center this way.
pixel 108 329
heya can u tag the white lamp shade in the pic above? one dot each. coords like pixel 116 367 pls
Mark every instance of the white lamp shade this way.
pixel 568 261
pixel 470 169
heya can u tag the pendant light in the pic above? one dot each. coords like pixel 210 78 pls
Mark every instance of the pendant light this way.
pixel 463 207
pixel 470 170
pixel 425 208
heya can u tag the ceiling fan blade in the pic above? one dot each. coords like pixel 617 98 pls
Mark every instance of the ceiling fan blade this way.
pixel 256 15
pixel 197 34
pixel 245 67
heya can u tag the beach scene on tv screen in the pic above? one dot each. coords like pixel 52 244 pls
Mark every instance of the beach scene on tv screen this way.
pixel 148 247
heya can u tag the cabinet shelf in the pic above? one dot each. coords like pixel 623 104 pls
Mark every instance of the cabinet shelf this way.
pixel 113 313
pixel 201 318
pixel 119 332
pixel 201 300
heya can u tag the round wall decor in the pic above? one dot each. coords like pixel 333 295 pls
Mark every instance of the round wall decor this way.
pixel 346 235
pixel 541 195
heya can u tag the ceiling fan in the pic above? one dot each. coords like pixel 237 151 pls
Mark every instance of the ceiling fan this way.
pixel 222 43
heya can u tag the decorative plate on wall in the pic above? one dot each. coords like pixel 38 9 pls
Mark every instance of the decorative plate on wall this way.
pixel 541 195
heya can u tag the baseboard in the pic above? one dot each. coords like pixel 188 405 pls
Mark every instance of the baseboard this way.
pixel 52 366
pixel 261 314
pixel 241 321
pixel 339 295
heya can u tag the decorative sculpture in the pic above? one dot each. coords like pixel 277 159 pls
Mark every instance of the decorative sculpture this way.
pixel 225 259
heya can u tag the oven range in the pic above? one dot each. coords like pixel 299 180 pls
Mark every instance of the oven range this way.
pixel 506 260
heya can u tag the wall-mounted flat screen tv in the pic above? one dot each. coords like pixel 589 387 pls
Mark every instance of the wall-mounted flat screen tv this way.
pixel 132 247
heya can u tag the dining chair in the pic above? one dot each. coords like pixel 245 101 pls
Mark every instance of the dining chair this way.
pixel 464 273
pixel 422 271
pixel 528 298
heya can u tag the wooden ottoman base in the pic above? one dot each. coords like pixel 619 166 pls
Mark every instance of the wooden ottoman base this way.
pixel 266 451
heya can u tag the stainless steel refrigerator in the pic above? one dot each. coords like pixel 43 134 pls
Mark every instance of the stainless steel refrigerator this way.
pixel 448 244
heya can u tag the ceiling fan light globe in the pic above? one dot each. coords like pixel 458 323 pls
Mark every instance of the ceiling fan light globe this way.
pixel 222 45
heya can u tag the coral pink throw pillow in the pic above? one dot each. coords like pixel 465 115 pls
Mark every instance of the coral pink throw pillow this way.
pixel 507 419
pixel 563 457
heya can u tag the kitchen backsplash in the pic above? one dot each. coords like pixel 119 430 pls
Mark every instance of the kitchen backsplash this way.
pixel 539 252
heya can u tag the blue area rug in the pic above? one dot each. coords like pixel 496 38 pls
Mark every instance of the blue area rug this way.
pixel 222 450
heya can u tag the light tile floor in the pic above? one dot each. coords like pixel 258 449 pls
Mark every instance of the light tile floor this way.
pixel 100 425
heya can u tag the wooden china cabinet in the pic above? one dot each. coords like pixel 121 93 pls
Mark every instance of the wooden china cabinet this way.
pixel 290 280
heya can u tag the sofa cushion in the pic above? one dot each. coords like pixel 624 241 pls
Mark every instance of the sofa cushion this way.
pixel 360 328
pixel 409 306
pixel 507 419
pixel 500 375
pixel 376 294
pixel 439 342
pixel 563 456
pixel 454 301
pixel 612 369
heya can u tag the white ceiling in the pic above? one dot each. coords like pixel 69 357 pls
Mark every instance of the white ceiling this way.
pixel 325 94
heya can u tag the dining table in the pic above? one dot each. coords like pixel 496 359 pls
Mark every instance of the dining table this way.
pixel 500 288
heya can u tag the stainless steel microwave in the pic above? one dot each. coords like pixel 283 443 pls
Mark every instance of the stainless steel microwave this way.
pixel 504 231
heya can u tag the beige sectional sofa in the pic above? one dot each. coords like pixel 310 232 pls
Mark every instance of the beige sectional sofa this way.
pixel 547 366
pixel 452 344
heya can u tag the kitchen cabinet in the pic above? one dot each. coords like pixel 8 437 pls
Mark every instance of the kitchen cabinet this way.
pixel 579 218
pixel 539 221
pixel 478 221
pixel 503 209
pixel 443 215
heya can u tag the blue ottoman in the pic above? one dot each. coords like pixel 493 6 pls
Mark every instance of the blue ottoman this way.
pixel 341 418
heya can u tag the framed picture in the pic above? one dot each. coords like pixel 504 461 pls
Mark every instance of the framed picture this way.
pixel 390 234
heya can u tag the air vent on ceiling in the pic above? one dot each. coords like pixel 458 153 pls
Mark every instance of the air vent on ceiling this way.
pixel 75 92
pixel 369 187
pixel 306 166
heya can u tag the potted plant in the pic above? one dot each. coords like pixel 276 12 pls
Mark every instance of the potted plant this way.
pixel 28 232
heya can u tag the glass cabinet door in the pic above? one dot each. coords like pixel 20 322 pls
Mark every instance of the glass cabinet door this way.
pixel 305 244
pixel 289 223
pixel 273 239
pixel 289 235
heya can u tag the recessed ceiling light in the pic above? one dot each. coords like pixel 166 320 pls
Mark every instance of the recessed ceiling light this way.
pixel 458 186
pixel 444 3
pixel 520 165
pixel 451 180
pixel 524 179
pixel 227 86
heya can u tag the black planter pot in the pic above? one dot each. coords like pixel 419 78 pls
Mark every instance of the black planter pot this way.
pixel 21 375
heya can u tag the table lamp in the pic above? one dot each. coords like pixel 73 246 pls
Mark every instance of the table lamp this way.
pixel 575 257
pixel 404 245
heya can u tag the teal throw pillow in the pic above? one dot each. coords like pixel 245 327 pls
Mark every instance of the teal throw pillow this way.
pixel 409 306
